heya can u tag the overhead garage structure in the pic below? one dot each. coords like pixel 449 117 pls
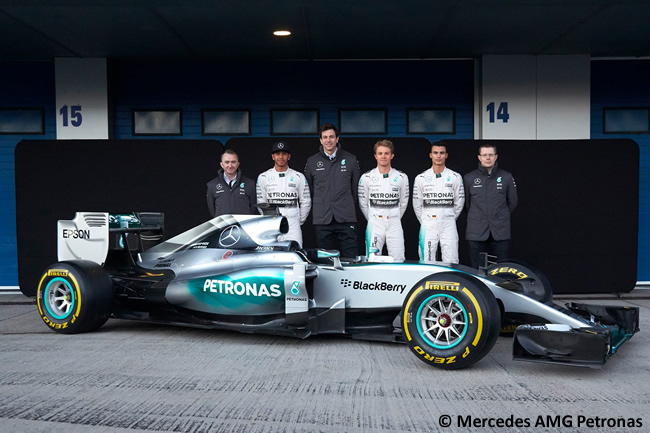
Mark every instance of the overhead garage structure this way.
pixel 213 70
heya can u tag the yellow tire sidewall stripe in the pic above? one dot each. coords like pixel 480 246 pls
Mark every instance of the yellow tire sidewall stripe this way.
pixel 406 309
pixel 479 316
pixel 38 297
pixel 76 289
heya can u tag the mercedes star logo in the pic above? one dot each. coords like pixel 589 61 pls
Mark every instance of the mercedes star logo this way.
pixel 230 236
pixel 477 181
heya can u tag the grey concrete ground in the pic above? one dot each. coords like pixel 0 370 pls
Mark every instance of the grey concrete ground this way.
pixel 134 377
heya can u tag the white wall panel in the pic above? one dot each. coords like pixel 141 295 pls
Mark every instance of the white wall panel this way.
pixel 81 98
pixel 508 97
pixel 535 97
pixel 563 97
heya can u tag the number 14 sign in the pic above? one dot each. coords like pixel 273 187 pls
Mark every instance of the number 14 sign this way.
pixel 498 114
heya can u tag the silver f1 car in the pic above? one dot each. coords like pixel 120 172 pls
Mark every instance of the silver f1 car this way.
pixel 232 273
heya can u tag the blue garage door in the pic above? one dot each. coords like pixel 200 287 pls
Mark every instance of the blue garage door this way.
pixel 621 88
pixel 25 88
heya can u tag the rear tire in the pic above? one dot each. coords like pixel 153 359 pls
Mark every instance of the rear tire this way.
pixel 450 320
pixel 75 296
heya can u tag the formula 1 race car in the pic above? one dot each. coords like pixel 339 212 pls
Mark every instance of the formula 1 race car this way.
pixel 232 273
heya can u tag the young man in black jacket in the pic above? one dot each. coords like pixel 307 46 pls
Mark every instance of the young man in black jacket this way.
pixel 490 196
pixel 333 176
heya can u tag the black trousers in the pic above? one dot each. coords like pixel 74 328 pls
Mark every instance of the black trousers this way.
pixel 338 236
pixel 500 249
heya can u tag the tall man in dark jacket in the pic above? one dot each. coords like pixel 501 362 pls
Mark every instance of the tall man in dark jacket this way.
pixel 231 192
pixel 333 176
pixel 490 196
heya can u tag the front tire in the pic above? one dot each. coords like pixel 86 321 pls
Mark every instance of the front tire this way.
pixel 513 270
pixel 75 297
pixel 450 320
pixel 534 284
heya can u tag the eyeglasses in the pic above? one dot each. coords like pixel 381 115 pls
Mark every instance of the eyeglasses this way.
pixel 488 155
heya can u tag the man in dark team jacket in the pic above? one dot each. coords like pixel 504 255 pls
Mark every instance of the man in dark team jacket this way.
pixel 333 176
pixel 490 196
pixel 231 192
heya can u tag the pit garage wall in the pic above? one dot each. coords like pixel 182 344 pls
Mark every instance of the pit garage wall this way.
pixel 624 83
pixel 557 238
pixel 22 85
pixel 138 85
pixel 326 86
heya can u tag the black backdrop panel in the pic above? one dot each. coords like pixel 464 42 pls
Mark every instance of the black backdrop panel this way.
pixel 55 179
pixel 577 217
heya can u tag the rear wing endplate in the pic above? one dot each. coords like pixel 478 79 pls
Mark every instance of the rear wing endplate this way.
pixel 85 237
pixel 90 235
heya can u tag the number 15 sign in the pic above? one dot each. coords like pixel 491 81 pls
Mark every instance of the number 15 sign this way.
pixel 81 99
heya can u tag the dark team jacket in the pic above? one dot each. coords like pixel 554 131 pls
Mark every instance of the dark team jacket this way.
pixel 333 185
pixel 240 199
pixel 490 198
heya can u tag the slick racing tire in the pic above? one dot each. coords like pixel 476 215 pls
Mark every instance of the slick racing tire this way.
pixel 516 270
pixel 75 296
pixel 538 286
pixel 450 320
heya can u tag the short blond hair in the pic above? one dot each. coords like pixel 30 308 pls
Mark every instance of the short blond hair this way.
pixel 385 143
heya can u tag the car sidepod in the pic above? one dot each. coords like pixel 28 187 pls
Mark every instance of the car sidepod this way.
pixel 364 299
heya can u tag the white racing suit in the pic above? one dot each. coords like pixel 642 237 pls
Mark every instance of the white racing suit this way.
pixel 383 199
pixel 438 200
pixel 290 193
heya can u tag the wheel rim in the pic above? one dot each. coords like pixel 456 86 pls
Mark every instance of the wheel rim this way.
pixel 442 321
pixel 59 298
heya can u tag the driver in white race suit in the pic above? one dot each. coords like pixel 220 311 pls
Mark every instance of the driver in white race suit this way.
pixel 438 199
pixel 287 189
pixel 383 198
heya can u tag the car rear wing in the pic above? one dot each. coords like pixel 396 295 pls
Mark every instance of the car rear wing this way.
pixel 90 235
